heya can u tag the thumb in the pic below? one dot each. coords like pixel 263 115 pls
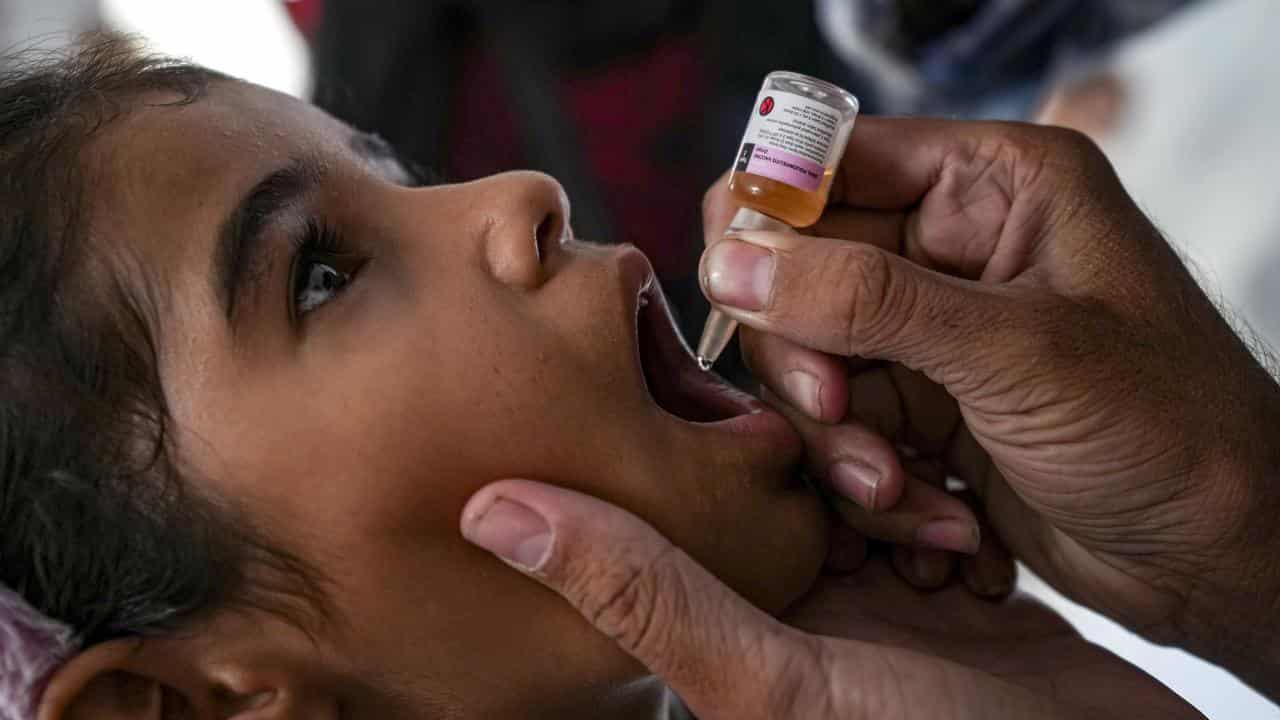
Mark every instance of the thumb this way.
pixel 724 657
pixel 853 299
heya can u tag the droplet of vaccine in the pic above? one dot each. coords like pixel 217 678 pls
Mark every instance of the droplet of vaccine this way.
pixel 704 363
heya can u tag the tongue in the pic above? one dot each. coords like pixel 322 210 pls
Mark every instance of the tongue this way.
pixel 669 394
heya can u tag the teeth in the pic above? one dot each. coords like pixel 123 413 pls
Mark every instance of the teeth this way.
pixel 644 301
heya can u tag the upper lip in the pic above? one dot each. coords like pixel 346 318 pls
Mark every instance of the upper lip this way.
pixel 667 367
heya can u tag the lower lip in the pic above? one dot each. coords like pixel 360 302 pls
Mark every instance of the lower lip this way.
pixel 763 425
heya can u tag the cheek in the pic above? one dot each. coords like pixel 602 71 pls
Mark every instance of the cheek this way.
pixel 369 473
pixel 426 408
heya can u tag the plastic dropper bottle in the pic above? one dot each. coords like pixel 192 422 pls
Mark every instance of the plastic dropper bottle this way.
pixel 786 162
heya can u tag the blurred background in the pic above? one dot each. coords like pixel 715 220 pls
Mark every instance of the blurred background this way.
pixel 636 107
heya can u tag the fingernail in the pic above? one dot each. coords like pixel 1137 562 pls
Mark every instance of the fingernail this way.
pixel 738 274
pixel 856 481
pixel 512 531
pixel 949 534
pixel 804 390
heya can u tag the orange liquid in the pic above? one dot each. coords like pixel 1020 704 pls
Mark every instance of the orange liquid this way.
pixel 792 206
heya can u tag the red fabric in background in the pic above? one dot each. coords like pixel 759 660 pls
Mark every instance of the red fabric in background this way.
pixel 633 118
pixel 305 14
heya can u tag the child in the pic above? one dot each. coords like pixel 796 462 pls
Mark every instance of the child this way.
pixel 251 372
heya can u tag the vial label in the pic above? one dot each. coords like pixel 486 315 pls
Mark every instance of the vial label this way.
pixel 789 139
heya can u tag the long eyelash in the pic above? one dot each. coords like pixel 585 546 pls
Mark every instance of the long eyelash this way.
pixel 318 242
pixel 320 238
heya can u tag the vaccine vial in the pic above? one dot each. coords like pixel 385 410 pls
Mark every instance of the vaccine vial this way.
pixel 797 133
pixel 796 136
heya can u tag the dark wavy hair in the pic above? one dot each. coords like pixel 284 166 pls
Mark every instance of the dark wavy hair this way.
pixel 99 525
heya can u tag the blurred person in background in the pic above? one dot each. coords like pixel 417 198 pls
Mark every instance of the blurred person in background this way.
pixel 993 59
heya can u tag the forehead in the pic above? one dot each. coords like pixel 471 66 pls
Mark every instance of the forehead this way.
pixel 163 176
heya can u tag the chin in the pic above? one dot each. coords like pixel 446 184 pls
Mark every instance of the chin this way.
pixel 775 547
pixel 799 568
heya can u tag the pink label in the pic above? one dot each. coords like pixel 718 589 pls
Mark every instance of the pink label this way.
pixel 785 167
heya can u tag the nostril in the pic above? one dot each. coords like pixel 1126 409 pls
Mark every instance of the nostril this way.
pixel 547 235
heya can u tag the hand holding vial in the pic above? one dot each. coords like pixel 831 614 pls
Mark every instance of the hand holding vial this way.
pixel 987 296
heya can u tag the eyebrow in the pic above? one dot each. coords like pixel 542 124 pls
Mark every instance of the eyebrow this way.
pixel 241 245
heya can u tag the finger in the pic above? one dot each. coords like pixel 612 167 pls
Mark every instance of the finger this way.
pixel 892 163
pixel 925 517
pixel 923 568
pixel 813 382
pixel 810 380
pixel 855 462
pixel 885 230
pixel 974 191
pixel 927 568
pixel 875 494
pixel 633 585
pixel 874 401
pixel 969 174
pixel 930 414
pixel 850 299
pixel 1019 527
pixel 991 573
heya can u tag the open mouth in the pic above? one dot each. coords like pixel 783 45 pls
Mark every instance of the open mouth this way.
pixel 671 372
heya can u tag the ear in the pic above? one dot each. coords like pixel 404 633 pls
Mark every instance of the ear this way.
pixel 156 678
pixel 99 682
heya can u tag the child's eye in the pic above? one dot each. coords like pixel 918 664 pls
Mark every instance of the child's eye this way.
pixel 317 283
pixel 322 268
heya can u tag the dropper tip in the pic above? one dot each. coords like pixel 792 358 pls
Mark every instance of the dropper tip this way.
pixel 704 363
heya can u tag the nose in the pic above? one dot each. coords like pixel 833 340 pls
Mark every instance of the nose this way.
pixel 529 220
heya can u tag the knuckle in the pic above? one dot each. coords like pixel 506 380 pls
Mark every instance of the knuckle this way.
pixel 801 685
pixel 1070 158
pixel 627 601
pixel 863 282
pixel 1072 142
pixel 880 692
pixel 1018 156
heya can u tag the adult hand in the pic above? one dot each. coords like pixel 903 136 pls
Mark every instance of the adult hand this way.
pixel 997 302
pixel 887 651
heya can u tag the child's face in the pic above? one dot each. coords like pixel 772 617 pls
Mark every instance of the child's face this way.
pixel 355 424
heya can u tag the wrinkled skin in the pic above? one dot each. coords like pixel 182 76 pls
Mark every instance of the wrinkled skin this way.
pixel 861 647
pixel 989 295
pixel 1019 641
